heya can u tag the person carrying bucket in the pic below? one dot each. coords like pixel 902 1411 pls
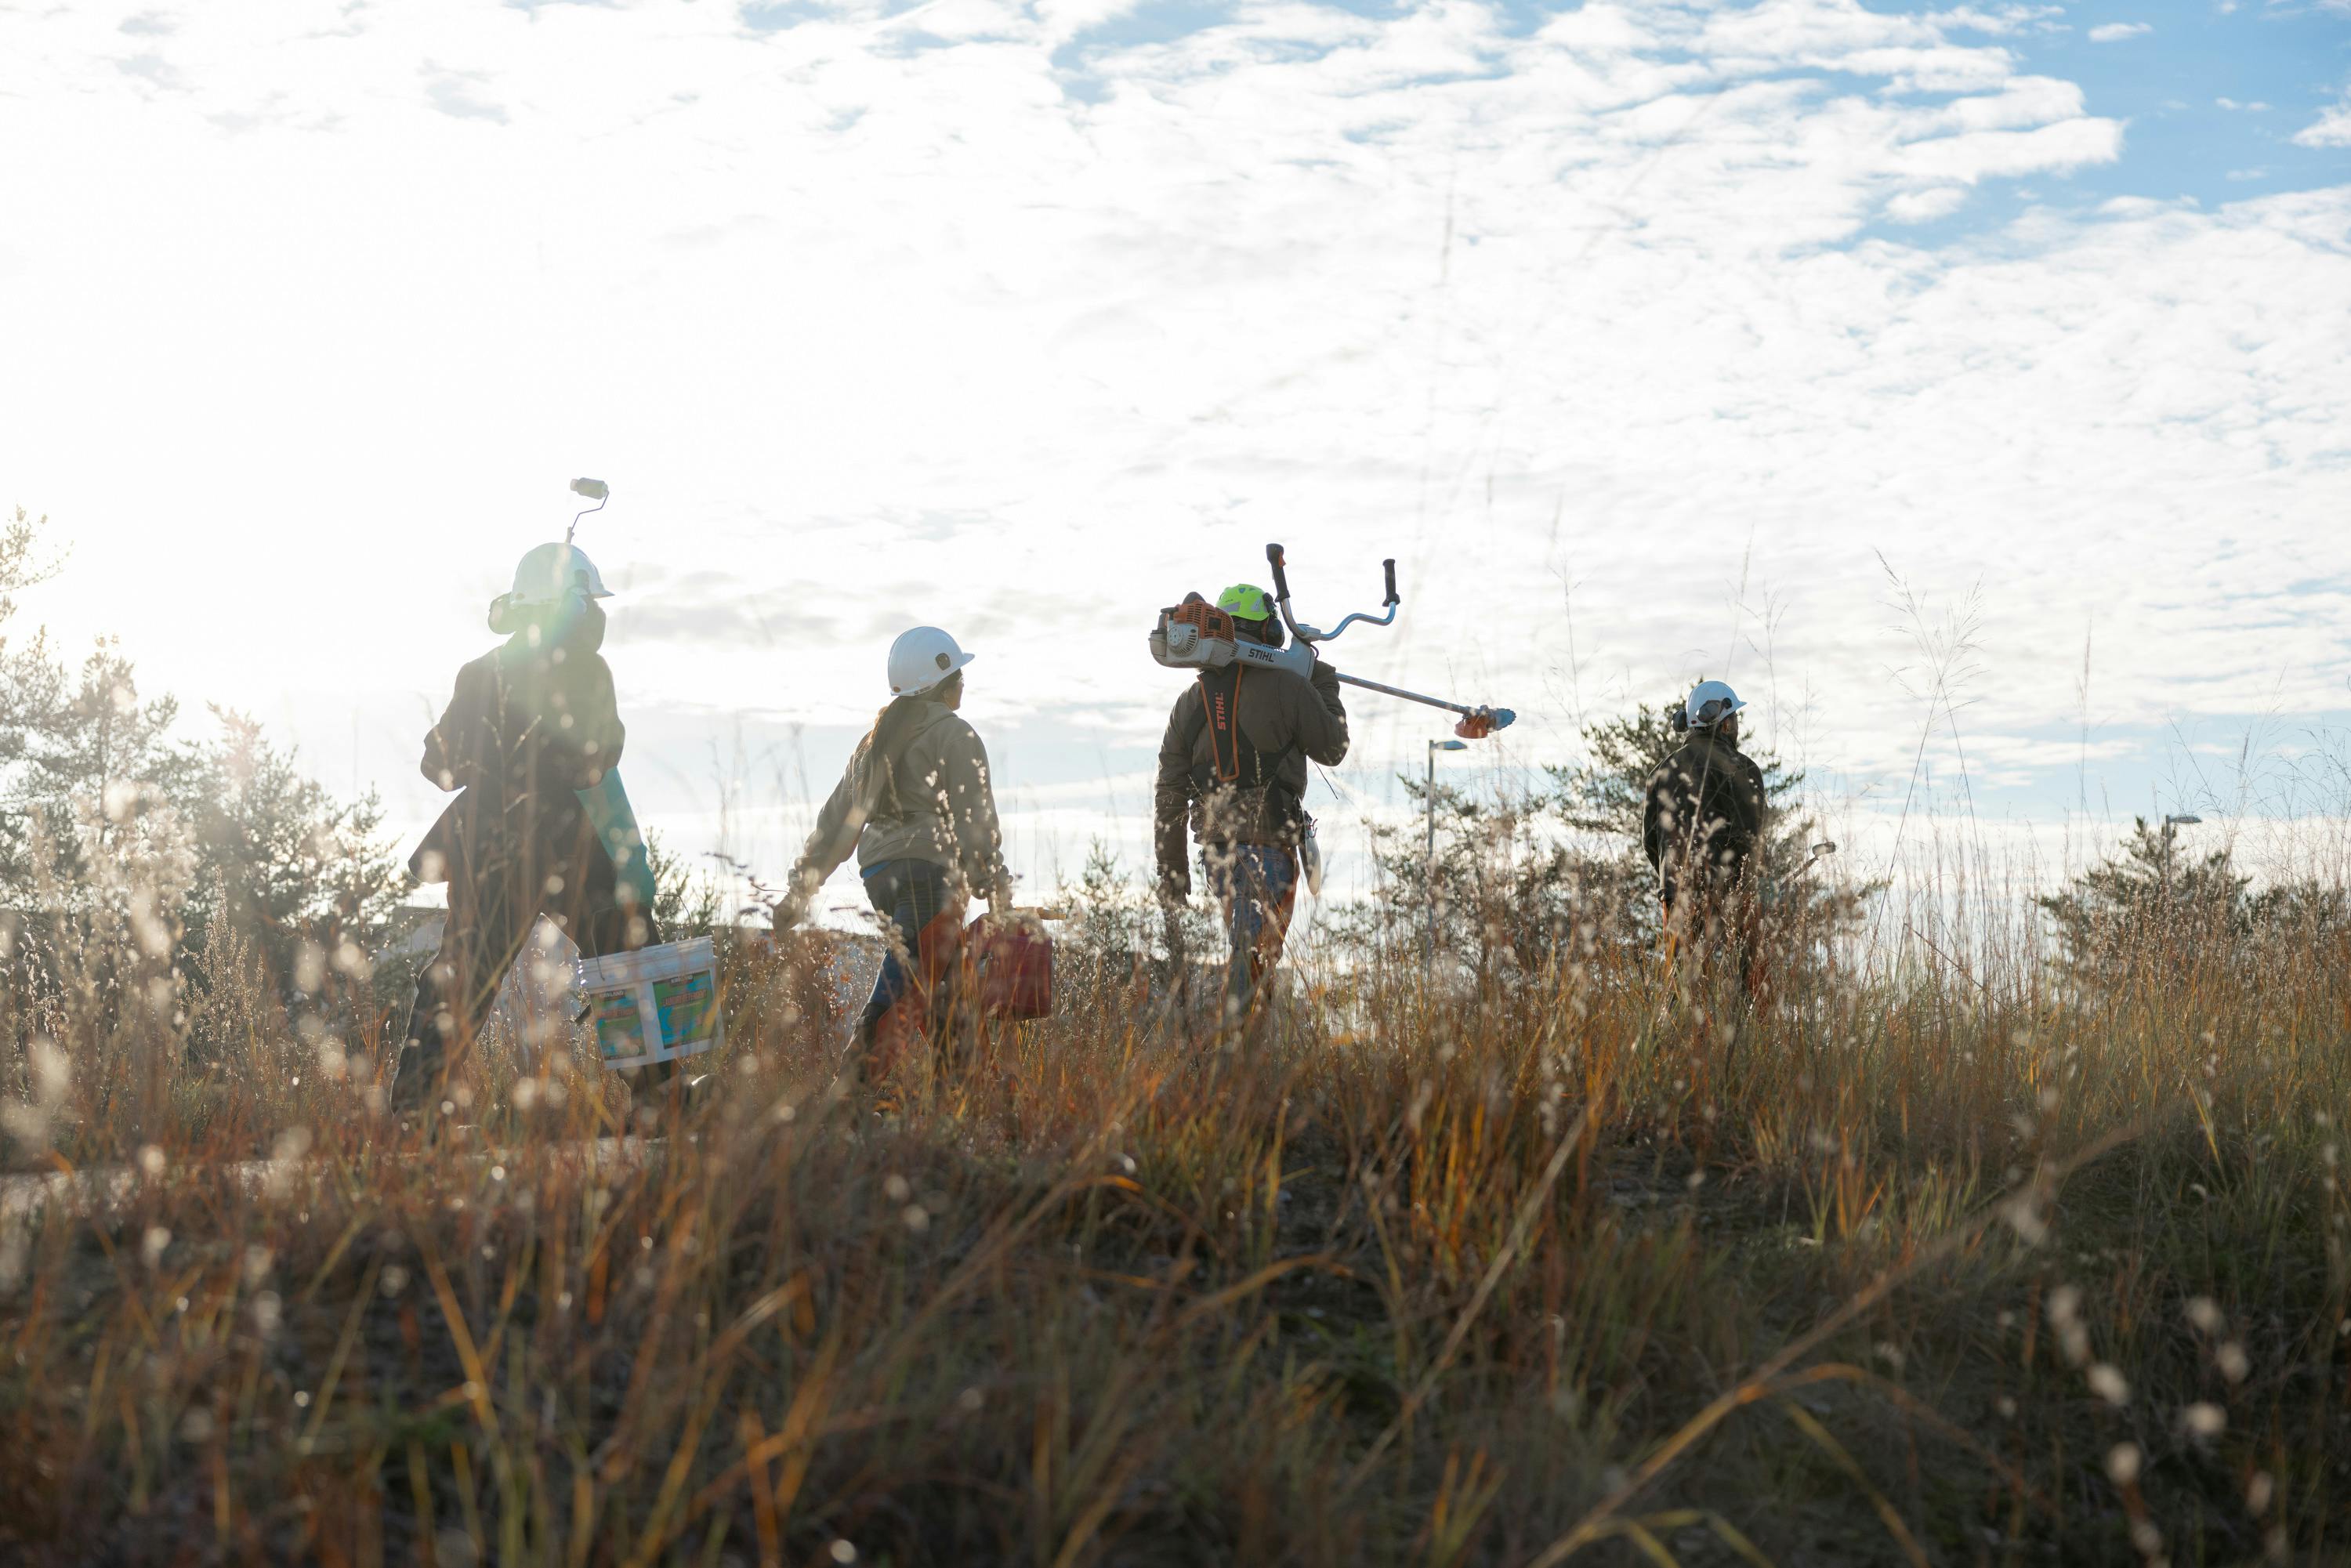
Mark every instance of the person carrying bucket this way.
pixel 530 742
pixel 1232 767
pixel 918 805
pixel 1703 830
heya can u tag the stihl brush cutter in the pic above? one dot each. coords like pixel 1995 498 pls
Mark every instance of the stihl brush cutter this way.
pixel 1196 636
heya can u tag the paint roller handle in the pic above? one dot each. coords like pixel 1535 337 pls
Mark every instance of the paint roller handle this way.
pixel 595 490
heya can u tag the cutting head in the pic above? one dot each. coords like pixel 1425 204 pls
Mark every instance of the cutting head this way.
pixel 1484 722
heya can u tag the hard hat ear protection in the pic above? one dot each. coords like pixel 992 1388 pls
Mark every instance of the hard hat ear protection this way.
pixel 1242 600
pixel 1679 720
pixel 510 615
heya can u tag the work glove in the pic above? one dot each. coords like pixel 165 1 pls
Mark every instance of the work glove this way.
pixel 789 910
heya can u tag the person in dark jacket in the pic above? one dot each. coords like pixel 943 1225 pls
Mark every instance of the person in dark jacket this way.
pixel 1232 771
pixel 1703 829
pixel 532 722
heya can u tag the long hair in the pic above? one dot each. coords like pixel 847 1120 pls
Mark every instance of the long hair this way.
pixel 888 738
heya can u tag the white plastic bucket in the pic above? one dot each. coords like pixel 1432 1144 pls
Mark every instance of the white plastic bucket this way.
pixel 656 1004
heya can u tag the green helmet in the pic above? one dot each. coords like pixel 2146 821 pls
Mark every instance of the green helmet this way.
pixel 1246 602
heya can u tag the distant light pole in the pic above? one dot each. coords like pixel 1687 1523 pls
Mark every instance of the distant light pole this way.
pixel 1428 862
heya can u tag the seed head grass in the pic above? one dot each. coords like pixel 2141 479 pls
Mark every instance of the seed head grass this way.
pixel 1920 1255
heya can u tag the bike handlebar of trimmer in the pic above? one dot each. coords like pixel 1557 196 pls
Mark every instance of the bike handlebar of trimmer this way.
pixel 1305 633
pixel 1281 597
pixel 1281 577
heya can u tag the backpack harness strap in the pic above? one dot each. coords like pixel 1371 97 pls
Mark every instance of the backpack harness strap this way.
pixel 1221 701
pixel 1234 761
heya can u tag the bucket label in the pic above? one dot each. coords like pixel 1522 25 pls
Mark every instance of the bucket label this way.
pixel 620 1032
pixel 689 1009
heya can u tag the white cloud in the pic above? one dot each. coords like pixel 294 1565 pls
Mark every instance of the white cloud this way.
pixel 1029 333
pixel 2256 106
pixel 1925 206
pixel 2115 32
pixel 2331 129
pixel 459 94
pixel 2007 21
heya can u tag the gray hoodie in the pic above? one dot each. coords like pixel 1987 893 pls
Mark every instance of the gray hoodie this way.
pixel 945 814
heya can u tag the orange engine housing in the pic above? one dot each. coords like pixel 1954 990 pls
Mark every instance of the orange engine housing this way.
pixel 1214 624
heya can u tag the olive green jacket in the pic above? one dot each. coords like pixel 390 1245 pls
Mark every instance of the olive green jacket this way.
pixel 945 812
pixel 1288 721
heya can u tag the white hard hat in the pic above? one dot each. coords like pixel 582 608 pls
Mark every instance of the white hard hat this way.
pixel 1710 702
pixel 921 659
pixel 549 571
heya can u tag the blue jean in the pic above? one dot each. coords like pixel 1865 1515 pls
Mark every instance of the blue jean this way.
pixel 1257 886
pixel 912 894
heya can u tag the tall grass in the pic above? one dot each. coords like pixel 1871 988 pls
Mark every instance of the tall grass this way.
pixel 1931 1255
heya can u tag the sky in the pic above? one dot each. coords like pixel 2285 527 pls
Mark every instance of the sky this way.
pixel 1968 386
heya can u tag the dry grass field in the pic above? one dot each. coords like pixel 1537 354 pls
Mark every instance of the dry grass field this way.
pixel 1962 1259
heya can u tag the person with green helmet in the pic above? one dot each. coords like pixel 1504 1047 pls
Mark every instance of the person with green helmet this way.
pixel 529 741
pixel 1232 771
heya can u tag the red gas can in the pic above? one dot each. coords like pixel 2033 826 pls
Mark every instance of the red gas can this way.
pixel 1013 957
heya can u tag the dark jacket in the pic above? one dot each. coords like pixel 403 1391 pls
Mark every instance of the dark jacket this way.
pixel 1289 722
pixel 1704 822
pixel 527 727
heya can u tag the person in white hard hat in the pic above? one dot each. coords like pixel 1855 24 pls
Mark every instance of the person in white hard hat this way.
pixel 532 722
pixel 1703 828
pixel 918 805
